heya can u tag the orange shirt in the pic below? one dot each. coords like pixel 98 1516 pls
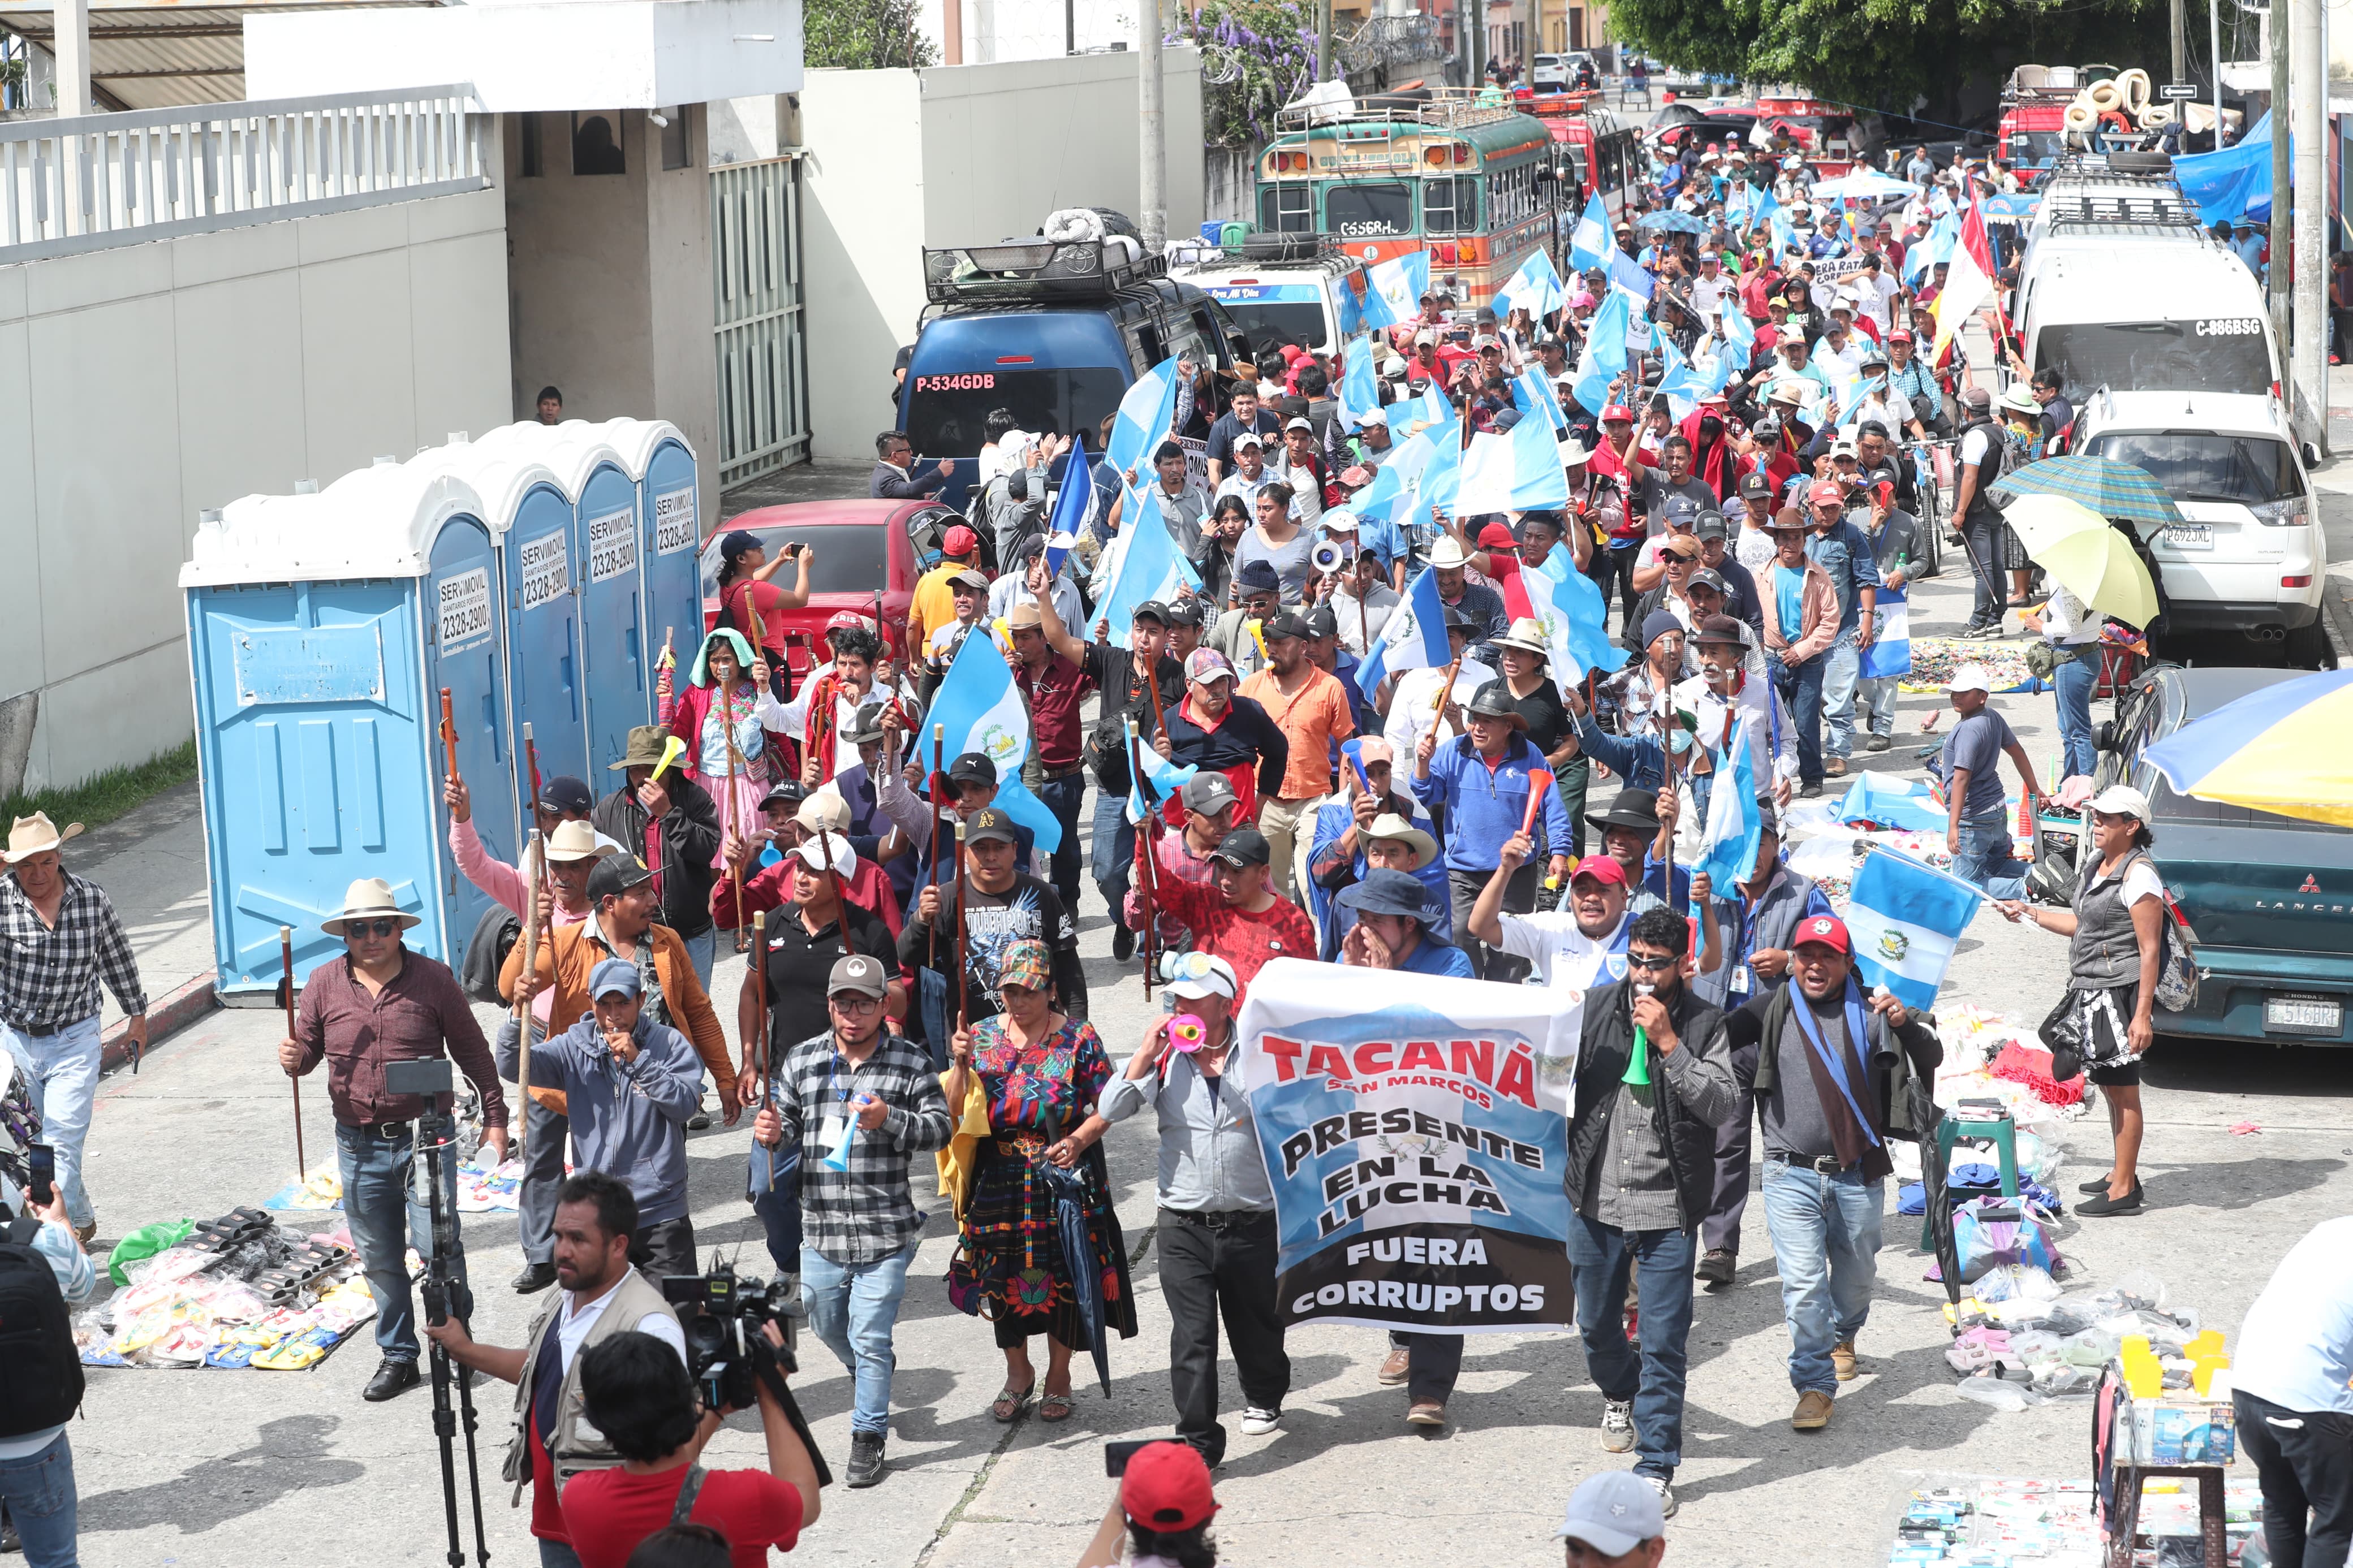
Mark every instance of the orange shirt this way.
pixel 1310 718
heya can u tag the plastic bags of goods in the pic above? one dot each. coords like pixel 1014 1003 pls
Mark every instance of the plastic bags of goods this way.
pixel 236 1292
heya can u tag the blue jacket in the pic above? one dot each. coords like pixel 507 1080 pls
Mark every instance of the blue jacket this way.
pixel 630 1121
pixel 1637 759
pixel 1844 551
pixel 1431 957
pixel 1477 810
pixel 1327 876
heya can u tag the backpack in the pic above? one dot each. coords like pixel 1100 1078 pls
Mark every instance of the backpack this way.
pixel 40 1370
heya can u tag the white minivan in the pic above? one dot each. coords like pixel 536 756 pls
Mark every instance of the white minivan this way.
pixel 1291 294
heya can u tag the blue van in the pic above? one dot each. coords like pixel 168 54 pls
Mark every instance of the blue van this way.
pixel 1054 333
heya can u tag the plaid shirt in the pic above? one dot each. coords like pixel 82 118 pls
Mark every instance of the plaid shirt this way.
pixel 51 976
pixel 869 1212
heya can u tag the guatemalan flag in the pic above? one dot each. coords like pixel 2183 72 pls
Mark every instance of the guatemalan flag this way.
pixel 1160 779
pixel 1734 827
pixel 1413 638
pixel 1627 277
pixel 1072 507
pixel 1605 338
pixel 1149 567
pixel 1394 289
pixel 1360 392
pixel 1143 422
pixel 1575 618
pixel 1588 242
pixel 1892 803
pixel 1905 918
pixel 980 707
pixel 1535 287
pixel 1518 470
pixel 1532 394
pixel 1890 652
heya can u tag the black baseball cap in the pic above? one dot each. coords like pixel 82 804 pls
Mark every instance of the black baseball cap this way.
pixel 1185 613
pixel 1243 846
pixel 565 793
pixel 616 874
pixel 1151 610
pixel 1712 525
pixel 971 767
pixel 1322 622
pixel 1284 623
pixel 787 792
pixel 989 822
pixel 1757 483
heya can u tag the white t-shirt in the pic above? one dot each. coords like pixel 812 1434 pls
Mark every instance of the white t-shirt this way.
pixel 1413 707
pixel 573 1322
pixel 2296 1347
pixel 1754 549
pixel 1707 294
pixel 1878 296
pixel 2141 882
pixel 1563 954
pixel 1973 445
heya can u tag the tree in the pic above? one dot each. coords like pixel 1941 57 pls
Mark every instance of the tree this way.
pixel 864 35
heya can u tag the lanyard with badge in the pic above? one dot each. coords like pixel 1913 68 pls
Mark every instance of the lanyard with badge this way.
pixel 835 1125
pixel 1836 1060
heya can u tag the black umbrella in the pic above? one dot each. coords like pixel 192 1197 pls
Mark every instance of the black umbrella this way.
pixel 1070 1189
pixel 1939 1210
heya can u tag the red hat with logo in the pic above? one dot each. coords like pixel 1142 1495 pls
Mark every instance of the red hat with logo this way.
pixel 1167 1487
pixel 1825 491
pixel 1602 869
pixel 848 618
pixel 1617 411
pixel 960 541
pixel 1828 930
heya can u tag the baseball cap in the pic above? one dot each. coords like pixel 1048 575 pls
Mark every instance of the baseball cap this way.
pixel 615 974
pixel 1209 794
pixel 1299 422
pixel 1424 336
pixel 973 767
pixel 785 792
pixel 1167 1487
pixel 1602 868
pixel 960 541
pixel 1374 417
pixel 1828 930
pixel 1900 333
pixel 1150 610
pixel 1250 438
pixel 1824 490
pixel 1842 448
pixel 1681 509
pixel 616 874
pixel 1683 545
pixel 565 793
pixel 1215 978
pixel 858 973
pixel 967 578
pixel 810 852
pixel 989 822
pixel 1284 623
pixel 1757 483
pixel 1323 621
pixel 1616 412
pixel 1612 1512
pixel 2121 800
pixel 1705 577
pixel 1712 525
pixel 1206 664
pixel 1243 846
pixel 1970 678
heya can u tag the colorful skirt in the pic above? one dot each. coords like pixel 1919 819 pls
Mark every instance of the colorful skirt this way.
pixel 739 808
pixel 1010 1264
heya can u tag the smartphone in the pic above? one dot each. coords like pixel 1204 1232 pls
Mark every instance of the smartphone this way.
pixel 42 1189
pixel 1117 1454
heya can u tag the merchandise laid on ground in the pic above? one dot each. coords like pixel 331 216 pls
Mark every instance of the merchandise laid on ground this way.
pixel 1995 1521
pixel 481 1189
pixel 228 1294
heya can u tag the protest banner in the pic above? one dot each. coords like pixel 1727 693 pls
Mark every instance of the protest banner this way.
pixel 1415 1128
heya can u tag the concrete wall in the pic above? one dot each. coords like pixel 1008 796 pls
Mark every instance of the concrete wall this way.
pixel 610 279
pixel 139 386
pixel 955 155
pixel 999 31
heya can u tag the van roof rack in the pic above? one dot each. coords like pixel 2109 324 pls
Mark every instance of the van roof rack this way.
pixel 2119 213
pixel 1034 269
pixel 2108 169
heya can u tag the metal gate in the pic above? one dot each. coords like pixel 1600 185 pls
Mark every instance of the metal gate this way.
pixel 757 284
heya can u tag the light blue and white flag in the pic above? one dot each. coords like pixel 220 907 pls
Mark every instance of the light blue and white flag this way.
pixel 1360 391
pixel 1627 277
pixel 1394 289
pixel 1535 287
pixel 1589 242
pixel 1935 246
pixel 1605 337
pixel 1739 332
pixel 981 711
pixel 1890 652
pixel 1532 394
pixel 1161 776
pixel 1891 803
pixel 1436 485
pixel 1146 412
pixel 1518 470
pixel 1073 509
pixel 1733 833
pixel 1413 638
pixel 1150 566
pixel 1568 605
pixel 1904 919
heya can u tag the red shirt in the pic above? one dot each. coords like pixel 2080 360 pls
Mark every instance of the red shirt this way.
pixel 608 1512
pixel 1242 939
pixel 1054 690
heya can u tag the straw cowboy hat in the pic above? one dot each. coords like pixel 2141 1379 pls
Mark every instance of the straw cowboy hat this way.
pixel 1389 824
pixel 34 835
pixel 576 840
pixel 369 898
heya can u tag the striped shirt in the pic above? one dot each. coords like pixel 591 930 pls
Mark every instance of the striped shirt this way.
pixel 51 974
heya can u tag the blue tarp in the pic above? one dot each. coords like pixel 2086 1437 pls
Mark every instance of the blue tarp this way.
pixel 2233 184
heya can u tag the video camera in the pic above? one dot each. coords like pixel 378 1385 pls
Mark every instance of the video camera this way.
pixel 726 1353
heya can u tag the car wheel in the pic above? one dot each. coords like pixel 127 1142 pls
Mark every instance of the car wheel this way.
pixel 2307 647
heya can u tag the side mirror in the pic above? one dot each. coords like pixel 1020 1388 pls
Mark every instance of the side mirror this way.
pixel 2311 456
pixel 2107 738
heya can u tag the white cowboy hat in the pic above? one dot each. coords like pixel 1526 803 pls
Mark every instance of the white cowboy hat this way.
pixel 576 840
pixel 1389 824
pixel 1447 555
pixel 33 835
pixel 1527 634
pixel 369 898
pixel 1573 452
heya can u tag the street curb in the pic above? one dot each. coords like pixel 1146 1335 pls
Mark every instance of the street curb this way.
pixel 174 1010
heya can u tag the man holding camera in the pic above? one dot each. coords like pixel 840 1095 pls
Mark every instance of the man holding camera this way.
pixel 602 1296
pixel 378 1005
pixel 861 1102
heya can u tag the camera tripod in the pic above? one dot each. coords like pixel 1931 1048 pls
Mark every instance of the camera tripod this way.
pixel 446 1295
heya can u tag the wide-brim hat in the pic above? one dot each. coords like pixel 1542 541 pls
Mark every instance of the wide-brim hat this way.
pixel 35 835
pixel 576 840
pixel 1493 701
pixel 1389 824
pixel 369 898
pixel 1446 555
pixel 1632 808
pixel 1527 634
pixel 646 745
pixel 1388 892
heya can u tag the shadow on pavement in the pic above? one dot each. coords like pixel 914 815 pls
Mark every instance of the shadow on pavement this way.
pixel 286 1460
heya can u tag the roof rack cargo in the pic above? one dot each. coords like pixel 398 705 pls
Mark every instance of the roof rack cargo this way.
pixel 1451 108
pixel 1035 269
pixel 2111 168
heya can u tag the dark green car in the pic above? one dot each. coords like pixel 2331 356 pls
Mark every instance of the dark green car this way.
pixel 2268 899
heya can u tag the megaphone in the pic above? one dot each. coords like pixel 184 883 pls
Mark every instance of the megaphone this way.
pixel 1330 555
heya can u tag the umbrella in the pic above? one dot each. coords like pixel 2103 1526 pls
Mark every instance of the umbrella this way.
pixel 1866 184
pixel 2282 749
pixel 1936 1204
pixel 2094 562
pixel 1668 218
pixel 2103 484
pixel 1069 1190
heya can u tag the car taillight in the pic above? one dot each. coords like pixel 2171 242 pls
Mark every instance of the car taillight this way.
pixel 2303 581
pixel 2290 512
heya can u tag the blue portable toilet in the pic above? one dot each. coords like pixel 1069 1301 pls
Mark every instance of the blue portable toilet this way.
pixel 670 516
pixel 320 630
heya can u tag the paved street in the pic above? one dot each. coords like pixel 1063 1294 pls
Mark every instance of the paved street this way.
pixel 250 1469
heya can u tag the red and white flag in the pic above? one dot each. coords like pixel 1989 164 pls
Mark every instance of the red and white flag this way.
pixel 1968 285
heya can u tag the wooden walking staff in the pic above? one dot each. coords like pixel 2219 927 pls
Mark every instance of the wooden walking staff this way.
pixel 448 733
pixel 939 788
pixel 963 958
pixel 1445 703
pixel 758 1075
pixel 535 869
pixel 530 755
pixel 286 995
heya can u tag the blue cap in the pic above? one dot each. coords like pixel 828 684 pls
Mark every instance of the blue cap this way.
pixel 614 974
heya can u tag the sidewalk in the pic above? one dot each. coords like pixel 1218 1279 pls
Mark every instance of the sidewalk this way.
pixel 151 862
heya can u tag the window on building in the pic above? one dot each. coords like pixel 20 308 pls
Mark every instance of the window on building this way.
pixel 677 150
pixel 595 150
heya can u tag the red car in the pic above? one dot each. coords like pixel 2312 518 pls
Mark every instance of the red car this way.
pixel 862 548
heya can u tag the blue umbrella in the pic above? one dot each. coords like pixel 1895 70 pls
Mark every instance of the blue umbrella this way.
pixel 1070 1191
pixel 1668 218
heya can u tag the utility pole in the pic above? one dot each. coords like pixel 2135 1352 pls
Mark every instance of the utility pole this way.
pixel 1152 186
pixel 2309 367
pixel 2214 57
pixel 1474 27
pixel 1323 40
pixel 2275 39
pixel 2181 41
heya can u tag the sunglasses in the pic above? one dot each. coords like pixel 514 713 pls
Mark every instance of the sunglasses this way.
pixel 1651 961
pixel 371 928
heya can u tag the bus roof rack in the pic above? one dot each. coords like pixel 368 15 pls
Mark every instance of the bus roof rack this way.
pixel 2119 213
pixel 1035 269
pixel 1448 107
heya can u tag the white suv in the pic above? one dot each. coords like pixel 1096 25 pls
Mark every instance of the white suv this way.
pixel 2249 555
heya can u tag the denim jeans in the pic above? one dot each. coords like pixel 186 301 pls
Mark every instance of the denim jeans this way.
pixel 1111 847
pixel 776 1191
pixel 1878 694
pixel 1063 797
pixel 557 1554
pixel 1983 543
pixel 1983 857
pixel 852 1309
pixel 2076 679
pixel 387 1215
pixel 1800 687
pixel 1825 1233
pixel 550 1136
pixel 1658 1263
pixel 701 950
pixel 1842 667
pixel 39 1491
pixel 61 1072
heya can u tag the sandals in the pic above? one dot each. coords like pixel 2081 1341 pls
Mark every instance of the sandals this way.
pixel 1011 1402
pixel 1055 1408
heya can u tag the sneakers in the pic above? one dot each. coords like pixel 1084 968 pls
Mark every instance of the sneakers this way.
pixel 1396 1367
pixel 1717 1266
pixel 1123 944
pixel 1843 1359
pixel 1810 790
pixel 2104 1204
pixel 1258 1421
pixel 1617 1424
pixel 1666 1495
pixel 1879 742
pixel 1813 1412
pixel 1426 1413
pixel 865 1458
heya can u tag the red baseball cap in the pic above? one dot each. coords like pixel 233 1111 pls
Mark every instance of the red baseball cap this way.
pixel 1603 868
pixel 1905 333
pixel 848 618
pixel 1167 1487
pixel 1497 536
pixel 1828 930
pixel 1825 491
pixel 960 541
pixel 1617 411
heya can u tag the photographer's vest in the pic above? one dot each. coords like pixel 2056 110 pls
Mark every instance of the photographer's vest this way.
pixel 1989 468
pixel 554 1389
